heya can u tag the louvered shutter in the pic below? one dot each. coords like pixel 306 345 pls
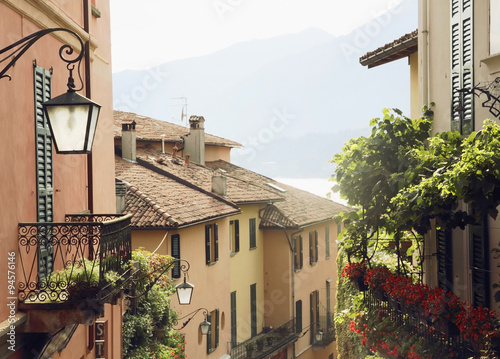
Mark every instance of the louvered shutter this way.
pixel 462 107
pixel 298 316
pixel 479 263
pixel 216 242
pixel 236 235
pixel 444 259
pixel 207 244
pixel 209 334
pixel 216 328
pixel 253 309
pixel 316 247
pixel 311 256
pixel 327 242
pixel 253 237
pixel 234 333
pixel 176 253
pixel 44 171
pixel 301 252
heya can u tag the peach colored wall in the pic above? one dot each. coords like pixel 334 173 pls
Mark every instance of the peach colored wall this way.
pixel 212 282
pixel 19 19
pixel 247 268
pixel 278 280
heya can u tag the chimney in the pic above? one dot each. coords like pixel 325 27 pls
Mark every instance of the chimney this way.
pixel 121 191
pixel 128 141
pixel 219 185
pixel 194 141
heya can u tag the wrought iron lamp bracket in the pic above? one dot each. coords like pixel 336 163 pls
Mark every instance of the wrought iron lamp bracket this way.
pixel 17 49
pixel 492 91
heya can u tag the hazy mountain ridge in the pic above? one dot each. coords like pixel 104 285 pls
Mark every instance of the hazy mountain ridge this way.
pixel 292 100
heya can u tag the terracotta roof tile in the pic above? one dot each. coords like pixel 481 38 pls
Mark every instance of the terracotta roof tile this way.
pixel 395 50
pixel 299 208
pixel 155 200
pixel 149 129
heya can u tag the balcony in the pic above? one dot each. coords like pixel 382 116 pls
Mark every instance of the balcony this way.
pixel 264 344
pixel 326 326
pixel 79 264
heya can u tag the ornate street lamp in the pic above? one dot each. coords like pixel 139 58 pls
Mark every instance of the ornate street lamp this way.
pixel 72 118
pixel 184 291
pixel 204 326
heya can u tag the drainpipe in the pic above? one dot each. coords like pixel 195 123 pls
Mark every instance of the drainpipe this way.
pixel 290 245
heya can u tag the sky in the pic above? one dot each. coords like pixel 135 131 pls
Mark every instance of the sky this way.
pixel 147 33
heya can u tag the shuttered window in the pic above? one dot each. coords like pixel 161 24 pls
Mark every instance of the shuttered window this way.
pixel 44 171
pixel 327 242
pixel 298 252
pixel 462 107
pixel 253 309
pixel 253 234
pixel 235 235
pixel 213 331
pixel 211 243
pixel 298 316
pixel 479 263
pixel 444 259
pixel 314 311
pixel 313 247
pixel 234 333
pixel 176 253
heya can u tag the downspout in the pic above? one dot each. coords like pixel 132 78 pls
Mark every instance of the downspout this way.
pixel 424 11
pixel 290 245
pixel 88 94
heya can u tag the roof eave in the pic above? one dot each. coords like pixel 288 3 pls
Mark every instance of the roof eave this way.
pixel 392 53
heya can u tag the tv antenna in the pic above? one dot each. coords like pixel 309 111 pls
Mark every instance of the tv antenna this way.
pixel 184 104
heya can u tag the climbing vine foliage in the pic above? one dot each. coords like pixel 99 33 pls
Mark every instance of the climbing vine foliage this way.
pixel 401 180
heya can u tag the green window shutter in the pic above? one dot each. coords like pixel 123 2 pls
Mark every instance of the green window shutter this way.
pixel 327 242
pixel 234 333
pixel 253 309
pixel 209 334
pixel 311 256
pixel 253 239
pixel 216 242
pixel 462 106
pixel 207 243
pixel 176 253
pixel 301 252
pixel 316 247
pixel 479 263
pixel 298 316
pixel 444 259
pixel 44 171
pixel 217 312
pixel 237 235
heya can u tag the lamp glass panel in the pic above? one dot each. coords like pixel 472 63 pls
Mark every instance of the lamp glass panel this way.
pixel 92 125
pixel 184 294
pixel 69 125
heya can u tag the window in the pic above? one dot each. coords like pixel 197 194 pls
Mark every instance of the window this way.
pixel 213 331
pixel 176 253
pixel 211 243
pixel 494 27
pixel 234 333
pixel 313 247
pixel 44 171
pixel 314 310
pixel 479 255
pixel 298 256
pixel 298 316
pixel 327 242
pixel 253 235
pixel 253 309
pixel 234 234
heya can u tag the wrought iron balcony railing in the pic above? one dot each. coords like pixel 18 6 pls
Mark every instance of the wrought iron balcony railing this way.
pixel 264 344
pixel 85 257
pixel 326 326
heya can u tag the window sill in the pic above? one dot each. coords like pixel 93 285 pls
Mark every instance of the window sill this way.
pixel 232 254
pixel 493 63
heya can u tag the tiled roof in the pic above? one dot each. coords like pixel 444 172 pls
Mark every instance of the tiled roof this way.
pixel 157 201
pixel 299 208
pixel 149 129
pixel 239 190
pixel 398 49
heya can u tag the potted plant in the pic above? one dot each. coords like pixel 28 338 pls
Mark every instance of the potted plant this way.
pixel 250 347
pixel 356 271
pixel 270 340
pixel 282 331
pixel 260 343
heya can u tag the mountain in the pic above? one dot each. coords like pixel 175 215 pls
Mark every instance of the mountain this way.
pixel 291 100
